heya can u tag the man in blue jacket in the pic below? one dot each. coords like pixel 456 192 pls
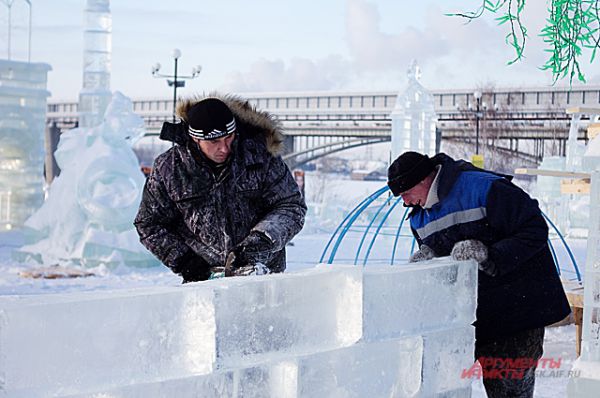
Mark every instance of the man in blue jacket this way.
pixel 465 212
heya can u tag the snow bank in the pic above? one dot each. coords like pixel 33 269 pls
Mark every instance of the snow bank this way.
pixel 329 331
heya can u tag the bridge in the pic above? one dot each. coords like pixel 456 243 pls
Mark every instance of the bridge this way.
pixel 526 122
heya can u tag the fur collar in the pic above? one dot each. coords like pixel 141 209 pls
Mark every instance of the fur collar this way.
pixel 251 122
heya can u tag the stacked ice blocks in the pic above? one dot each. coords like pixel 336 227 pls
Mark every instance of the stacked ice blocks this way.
pixel 333 331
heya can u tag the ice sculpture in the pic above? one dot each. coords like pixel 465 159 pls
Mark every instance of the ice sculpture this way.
pixel 95 93
pixel 587 367
pixel 22 119
pixel 413 118
pixel 87 218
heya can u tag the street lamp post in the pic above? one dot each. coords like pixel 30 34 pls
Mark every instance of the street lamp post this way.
pixel 477 159
pixel 478 115
pixel 178 81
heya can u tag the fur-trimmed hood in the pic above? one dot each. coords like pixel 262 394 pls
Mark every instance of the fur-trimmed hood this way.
pixel 251 123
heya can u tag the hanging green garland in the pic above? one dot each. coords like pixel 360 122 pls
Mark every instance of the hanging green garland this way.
pixel 571 26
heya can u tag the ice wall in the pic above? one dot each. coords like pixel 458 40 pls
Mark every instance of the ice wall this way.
pixel 95 93
pixel 332 331
pixel 87 218
pixel 588 364
pixel 413 118
pixel 22 120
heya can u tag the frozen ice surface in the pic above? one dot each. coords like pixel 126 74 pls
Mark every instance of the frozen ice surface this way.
pixel 260 316
pixel 48 342
pixel 432 295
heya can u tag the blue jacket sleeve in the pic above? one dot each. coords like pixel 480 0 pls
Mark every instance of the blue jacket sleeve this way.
pixel 518 222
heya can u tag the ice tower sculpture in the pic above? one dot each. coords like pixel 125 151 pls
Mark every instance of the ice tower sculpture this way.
pixel 95 93
pixel 413 118
pixel 22 119
pixel 87 218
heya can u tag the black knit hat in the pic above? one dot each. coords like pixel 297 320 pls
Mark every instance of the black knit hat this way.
pixel 408 170
pixel 210 119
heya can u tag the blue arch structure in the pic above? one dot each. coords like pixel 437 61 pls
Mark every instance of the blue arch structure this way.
pixel 348 224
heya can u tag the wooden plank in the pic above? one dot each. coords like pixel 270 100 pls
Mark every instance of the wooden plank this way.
pixel 575 186
pixel 578 320
pixel 583 110
pixel 593 130
pixel 575 298
pixel 553 173
pixel 54 272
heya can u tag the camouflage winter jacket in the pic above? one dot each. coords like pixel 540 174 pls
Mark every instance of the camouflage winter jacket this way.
pixel 186 207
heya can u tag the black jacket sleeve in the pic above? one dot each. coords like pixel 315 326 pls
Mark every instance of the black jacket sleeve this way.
pixel 287 207
pixel 516 218
pixel 156 222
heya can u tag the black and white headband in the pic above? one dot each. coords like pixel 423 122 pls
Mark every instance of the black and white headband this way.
pixel 213 134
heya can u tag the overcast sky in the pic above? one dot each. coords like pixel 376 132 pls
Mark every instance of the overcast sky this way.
pixel 278 45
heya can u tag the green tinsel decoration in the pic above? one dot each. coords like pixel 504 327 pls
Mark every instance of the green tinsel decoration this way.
pixel 571 26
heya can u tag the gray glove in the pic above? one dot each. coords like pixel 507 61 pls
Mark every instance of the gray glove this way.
pixel 473 249
pixel 423 254
pixel 256 269
pixel 242 259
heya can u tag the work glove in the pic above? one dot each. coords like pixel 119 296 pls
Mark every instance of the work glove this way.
pixel 255 269
pixel 423 254
pixel 191 267
pixel 472 249
pixel 241 260
pixel 217 272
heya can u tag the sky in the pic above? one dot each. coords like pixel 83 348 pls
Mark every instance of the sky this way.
pixel 282 46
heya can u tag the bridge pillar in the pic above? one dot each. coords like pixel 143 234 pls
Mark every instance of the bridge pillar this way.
pixel 438 139
pixel 51 169
pixel 288 144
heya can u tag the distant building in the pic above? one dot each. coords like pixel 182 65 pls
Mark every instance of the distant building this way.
pixel 368 175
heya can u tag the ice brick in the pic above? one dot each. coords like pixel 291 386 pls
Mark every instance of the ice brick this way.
pixel 446 354
pixel 60 344
pixel 405 300
pixel 254 382
pixel 405 367
pixel 381 369
pixel 417 366
pixel 296 313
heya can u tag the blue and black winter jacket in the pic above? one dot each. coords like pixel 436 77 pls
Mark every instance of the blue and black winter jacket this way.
pixel 478 204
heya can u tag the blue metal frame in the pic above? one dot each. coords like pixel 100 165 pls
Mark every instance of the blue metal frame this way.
pixel 554 256
pixel 362 240
pixel 379 228
pixel 398 235
pixel 349 220
pixel 571 256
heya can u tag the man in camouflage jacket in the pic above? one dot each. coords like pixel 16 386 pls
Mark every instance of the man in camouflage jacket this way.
pixel 220 201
